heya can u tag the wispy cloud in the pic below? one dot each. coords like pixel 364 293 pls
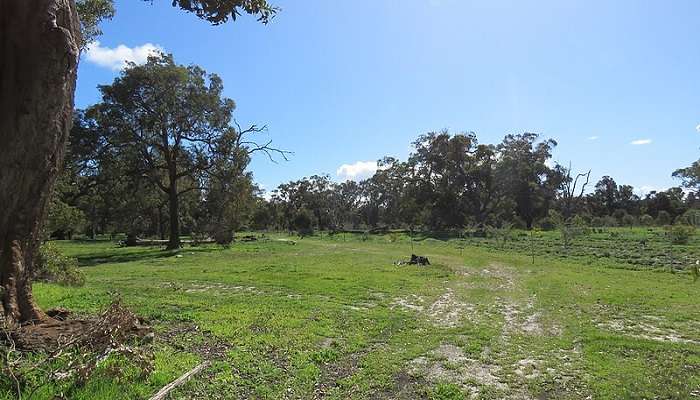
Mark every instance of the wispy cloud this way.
pixel 592 138
pixel 640 142
pixel 697 128
pixel 117 58
pixel 356 171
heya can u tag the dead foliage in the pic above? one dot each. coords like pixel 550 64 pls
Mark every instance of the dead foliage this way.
pixel 67 352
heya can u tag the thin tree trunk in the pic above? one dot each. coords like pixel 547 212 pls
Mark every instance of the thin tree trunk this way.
pixel 161 223
pixel 174 241
pixel 39 50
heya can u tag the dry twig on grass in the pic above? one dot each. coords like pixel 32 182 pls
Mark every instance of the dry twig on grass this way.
pixel 163 393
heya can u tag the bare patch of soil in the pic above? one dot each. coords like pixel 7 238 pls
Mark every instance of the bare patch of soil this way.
pixel 448 363
pixel 409 303
pixel 645 328
pixel 447 311
pixel 528 368
pixel 196 287
pixel 361 306
pixel 190 338
pixel 503 276
pixel 525 320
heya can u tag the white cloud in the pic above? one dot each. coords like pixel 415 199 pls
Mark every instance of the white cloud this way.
pixel 357 171
pixel 593 138
pixel 640 142
pixel 117 57
pixel 645 189
pixel 697 128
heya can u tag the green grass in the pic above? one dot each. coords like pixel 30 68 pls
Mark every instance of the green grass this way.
pixel 333 317
pixel 631 248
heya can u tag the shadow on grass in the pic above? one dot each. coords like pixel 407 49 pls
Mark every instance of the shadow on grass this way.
pixel 118 255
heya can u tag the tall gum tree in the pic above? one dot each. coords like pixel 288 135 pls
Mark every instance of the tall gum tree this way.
pixel 40 43
pixel 176 120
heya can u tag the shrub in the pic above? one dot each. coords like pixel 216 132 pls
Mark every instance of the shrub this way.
pixel 663 218
pixel 519 223
pixel 53 266
pixel 198 237
pixel 393 237
pixel 551 221
pixel 571 230
pixel 619 215
pixel 598 222
pixel 503 233
pixel 580 220
pixel 628 220
pixel 681 234
pixel 609 221
pixel 691 217
pixel 646 220
pixel 303 223
pixel 546 224
pixel 223 237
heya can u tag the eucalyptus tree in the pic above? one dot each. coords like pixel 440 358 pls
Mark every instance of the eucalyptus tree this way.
pixel 487 193
pixel 605 196
pixel 40 43
pixel 690 176
pixel 178 123
pixel 531 183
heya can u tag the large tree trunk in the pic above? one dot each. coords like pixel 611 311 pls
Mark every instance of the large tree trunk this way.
pixel 39 50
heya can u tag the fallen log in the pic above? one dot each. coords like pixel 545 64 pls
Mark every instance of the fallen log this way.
pixel 158 242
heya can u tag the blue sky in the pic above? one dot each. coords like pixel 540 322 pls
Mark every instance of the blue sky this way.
pixel 342 82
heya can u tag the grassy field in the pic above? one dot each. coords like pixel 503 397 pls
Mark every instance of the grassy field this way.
pixel 334 318
pixel 633 248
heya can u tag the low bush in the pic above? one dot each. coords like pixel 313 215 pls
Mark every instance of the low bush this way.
pixel 546 224
pixel 55 267
pixel 223 237
pixel 597 222
pixel 646 220
pixel 691 217
pixel 663 218
pixel 303 223
pixel 628 220
pixel 681 234
pixel 609 221
pixel 393 237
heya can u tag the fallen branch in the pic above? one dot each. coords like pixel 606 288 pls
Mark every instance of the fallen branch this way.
pixel 158 242
pixel 162 393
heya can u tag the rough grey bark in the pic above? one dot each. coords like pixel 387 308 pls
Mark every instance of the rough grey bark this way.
pixel 39 51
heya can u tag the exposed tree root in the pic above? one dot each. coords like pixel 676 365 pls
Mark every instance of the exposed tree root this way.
pixel 114 325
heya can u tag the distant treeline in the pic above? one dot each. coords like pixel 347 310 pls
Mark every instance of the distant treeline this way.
pixel 449 182
pixel 452 182
pixel 161 156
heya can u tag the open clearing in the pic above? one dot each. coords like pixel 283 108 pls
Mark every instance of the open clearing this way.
pixel 325 318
